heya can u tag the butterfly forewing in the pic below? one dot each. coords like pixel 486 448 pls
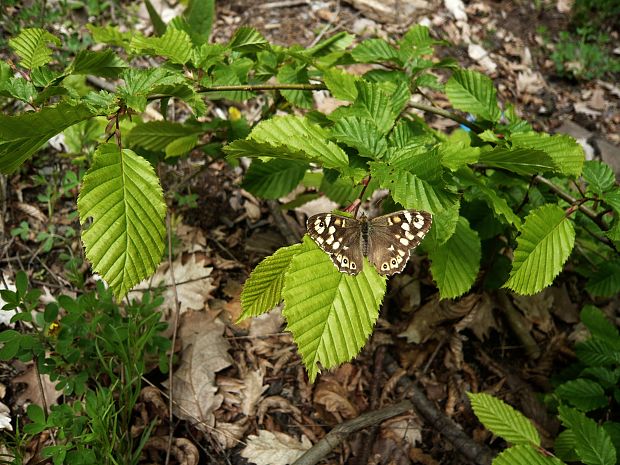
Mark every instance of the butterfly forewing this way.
pixel 387 240
pixel 341 238
pixel 391 238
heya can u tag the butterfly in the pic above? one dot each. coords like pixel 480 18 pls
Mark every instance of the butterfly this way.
pixel 386 240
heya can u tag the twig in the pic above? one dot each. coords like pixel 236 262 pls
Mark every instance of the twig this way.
pixel 477 453
pixel 573 201
pixel 177 310
pixel 281 223
pixel 517 324
pixel 367 444
pixel 337 435
pixel 256 87
pixel 446 114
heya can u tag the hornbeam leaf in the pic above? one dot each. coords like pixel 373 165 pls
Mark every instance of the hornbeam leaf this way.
pixel 122 195
pixel 525 455
pixel 330 314
pixel 503 420
pixel 31 46
pixel 263 289
pixel 566 153
pixel 546 240
pixel 473 92
pixel 273 179
pixel 22 135
pixel 455 263
pixel 520 161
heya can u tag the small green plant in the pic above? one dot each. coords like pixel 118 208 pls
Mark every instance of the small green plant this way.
pixel 94 351
pixel 187 200
pixel 584 56
pixel 22 231
pixel 585 401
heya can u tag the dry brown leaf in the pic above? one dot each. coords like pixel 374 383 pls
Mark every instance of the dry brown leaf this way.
pixel 193 283
pixel 536 308
pixel 32 393
pixel 267 323
pixel 229 435
pixel 32 211
pixel 192 238
pixel 205 352
pixel 335 398
pixel 252 391
pixel 279 404
pixel 274 448
pixel 403 428
pixel 481 319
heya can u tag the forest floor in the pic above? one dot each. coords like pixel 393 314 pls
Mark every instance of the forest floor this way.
pixel 258 403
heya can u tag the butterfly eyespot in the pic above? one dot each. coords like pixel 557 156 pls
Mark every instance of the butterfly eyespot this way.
pixel 384 266
pixel 321 224
pixel 345 261
pixel 393 261
pixel 353 265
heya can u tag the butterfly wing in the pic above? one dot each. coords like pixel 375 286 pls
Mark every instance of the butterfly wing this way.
pixel 392 237
pixel 341 238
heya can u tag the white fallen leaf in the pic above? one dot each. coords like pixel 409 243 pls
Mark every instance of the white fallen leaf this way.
pixel 274 448
pixel 478 53
pixel 192 279
pixel 456 8
pixel 5 419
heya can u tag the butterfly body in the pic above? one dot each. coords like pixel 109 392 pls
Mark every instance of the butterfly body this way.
pixel 386 240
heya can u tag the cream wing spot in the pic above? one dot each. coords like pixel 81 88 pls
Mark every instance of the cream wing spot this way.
pixel 420 234
pixel 409 236
pixel 336 245
pixel 404 241
pixel 331 230
pixel 329 240
pixel 405 226
pixel 408 216
pixel 397 219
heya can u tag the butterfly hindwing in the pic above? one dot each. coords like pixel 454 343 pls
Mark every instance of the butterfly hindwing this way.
pixel 392 237
pixel 341 238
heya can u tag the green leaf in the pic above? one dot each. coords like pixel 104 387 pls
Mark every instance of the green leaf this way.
pixel 181 146
pixel 474 93
pixel 263 289
pixel 110 35
pixel 520 161
pixel 424 163
pixel 410 134
pixel 341 190
pixel 104 63
pixel 564 446
pixel 341 84
pixel 330 314
pixel 593 444
pixel 598 324
pixel 525 455
pixel 158 135
pixel 444 225
pixel 31 45
pixel 375 51
pixel 175 44
pixel 599 176
pixel 545 243
pixel 362 134
pixel 595 352
pixel 139 83
pixel 584 394
pixel 199 16
pixel 605 282
pixel 122 195
pixel 289 74
pixel 606 377
pixel 503 420
pixel 22 135
pixel 273 179
pixel 411 191
pixel 290 137
pixel 247 40
pixel 457 155
pixel 455 263
pixel 566 153
pixel 158 24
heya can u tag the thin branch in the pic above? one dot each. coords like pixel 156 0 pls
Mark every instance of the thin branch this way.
pixel 446 114
pixel 573 201
pixel 175 327
pixel 257 87
pixel 337 435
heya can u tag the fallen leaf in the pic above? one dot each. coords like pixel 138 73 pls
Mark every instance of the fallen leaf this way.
pixel 229 435
pixel 536 308
pixel 407 428
pixel 480 320
pixel 479 54
pixel 192 279
pixel 267 324
pixel 5 417
pixel 335 398
pixel 32 393
pixel 274 448
pixel 252 391
pixel 205 352
pixel 456 9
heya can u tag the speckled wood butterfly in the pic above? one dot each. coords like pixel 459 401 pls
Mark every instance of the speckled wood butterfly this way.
pixel 386 240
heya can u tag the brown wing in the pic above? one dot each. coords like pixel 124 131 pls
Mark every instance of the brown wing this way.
pixel 341 238
pixel 392 237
